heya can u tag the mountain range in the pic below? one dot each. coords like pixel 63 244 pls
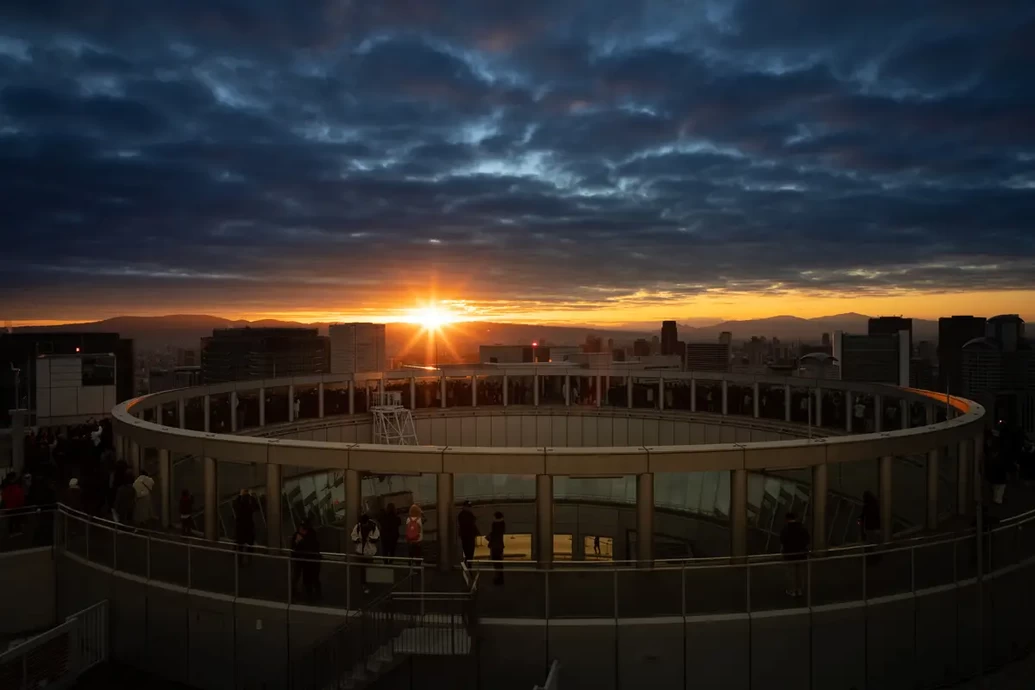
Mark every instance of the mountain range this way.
pixel 186 330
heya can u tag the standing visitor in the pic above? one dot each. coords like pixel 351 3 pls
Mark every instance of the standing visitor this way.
pixel 365 536
pixel 467 531
pixel 245 506
pixel 415 531
pixel 794 544
pixel 143 506
pixel 496 535
pixel 305 552
pixel 186 513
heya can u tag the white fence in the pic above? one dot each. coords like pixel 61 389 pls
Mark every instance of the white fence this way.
pixel 60 655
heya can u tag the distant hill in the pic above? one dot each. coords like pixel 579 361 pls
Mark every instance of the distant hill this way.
pixel 186 330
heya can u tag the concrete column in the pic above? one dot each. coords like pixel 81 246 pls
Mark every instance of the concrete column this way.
pixel 963 495
pixel 474 391
pixel 181 412
pixel 117 441
pixel 544 518
pixel 977 470
pixel 661 393
pixel 755 400
pixel 353 499
pixel 787 402
pixel 932 489
pixel 645 518
pixel 506 392
pixel 291 403
pixel 274 516
pixel 352 398
pixel 535 392
pixel 567 389
pixel 165 484
pixel 884 479
pixel 629 392
pixel 413 393
pixel 262 406
pixel 903 413
pixel 134 457
pixel 878 418
pixel 319 400
pixel 18 439
pixel 818 406
pixel 600 393
pixel 929 414
pixel 208 409
pixel 693 395
pixel 442 390
pixel 211 500
pixel 849 410
pixel 725 397
pixel 233 412
pixel 444 514
pixel 738 513
pixel 819 507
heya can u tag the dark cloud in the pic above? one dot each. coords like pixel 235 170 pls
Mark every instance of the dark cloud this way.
pixel 266 153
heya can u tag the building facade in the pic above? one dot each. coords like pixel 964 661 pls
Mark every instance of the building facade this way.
pixel 708 357
pixel 669 337
pixel 953 333
pixel 241 354
pixel 874 358
pixel 357 347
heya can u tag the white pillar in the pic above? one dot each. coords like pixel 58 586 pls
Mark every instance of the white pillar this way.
pixel 262 406
pixel 233 411
pixel 693 395
pixel 535 387
pixel 352 397
pixel 208 408
pixel 629 392
pixel 442 390
pixel 319 400
pixel 755 400
pixel 18 440
pixel 787 402
pixel 211 499
pixel 274 516
pixel 506 392
pixel 819 507
pixel 819 407
pixel 887 528
pixel 725 397
pixel 413 393
pixel 291 402
pixel 134 457
pixel 165 481
pixel 567 389
pixel 661 393
pixel 544 519
pixel 444 515
pixel 738 513
pixel 474 390
pixel 181 412
pixel 600 394
pixel 645 518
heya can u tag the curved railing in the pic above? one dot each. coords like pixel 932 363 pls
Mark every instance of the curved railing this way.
pixel 964 422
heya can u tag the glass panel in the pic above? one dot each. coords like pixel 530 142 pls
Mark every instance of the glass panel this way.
pixel 551 390
pixel 599 548
pixel 429 393
pixel 863 414
pixel 248 409
pixel 583 390
pixel 219 413
pixel 490 390
pixel 520 390
pixel 615 392
pixel 645 393
pixel 583 593
pixel 715 589
pixel 677 395
pixel 771 402
pixel 307 402
pixel 458 392
pixel 361 396
pixel 336 399
pixel 277 405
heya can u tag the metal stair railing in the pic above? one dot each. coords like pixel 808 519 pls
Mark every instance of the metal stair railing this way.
pixel 57 657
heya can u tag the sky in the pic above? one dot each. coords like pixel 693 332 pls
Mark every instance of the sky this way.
pixel 551 160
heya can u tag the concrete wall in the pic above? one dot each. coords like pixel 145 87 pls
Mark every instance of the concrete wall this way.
pixel 499 429
pixel 27 590
pixel 927 641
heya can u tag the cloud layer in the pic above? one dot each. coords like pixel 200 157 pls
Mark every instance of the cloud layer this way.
pixel 266 155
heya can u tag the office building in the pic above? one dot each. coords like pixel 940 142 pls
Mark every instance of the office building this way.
pixel 20 350
pixel 999 371
pixel 726 338
pixel 159 380
pixel 708 357
pixel 953 333
pixel 594 343
pixel 357 347
pixel 519 354
pixel 641 347
pixel 874 358
pixel 669 337
pixel 241 354
pixel 892 325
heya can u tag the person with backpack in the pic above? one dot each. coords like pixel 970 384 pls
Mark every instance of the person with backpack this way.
pixel 415 531
pixel 365 536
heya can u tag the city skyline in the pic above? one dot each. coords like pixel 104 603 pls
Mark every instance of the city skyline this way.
pixel 544 161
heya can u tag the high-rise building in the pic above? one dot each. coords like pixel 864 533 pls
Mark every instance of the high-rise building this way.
pixel 953 333
pixel 20 350
pixel 726 338
pixel 655 345
pixel 999 371
pixel 892 325
pixel 240 354
pixel 357 347
pixel 707 357
pixel 641 347
pixel 874 358
pixel 669 337
pixel 594 343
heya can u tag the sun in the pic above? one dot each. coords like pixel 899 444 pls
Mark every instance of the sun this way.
pixel 431 318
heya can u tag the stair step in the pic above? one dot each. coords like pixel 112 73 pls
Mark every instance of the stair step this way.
pixel 433 642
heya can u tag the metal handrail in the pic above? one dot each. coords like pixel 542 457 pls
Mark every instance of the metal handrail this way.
pixel 63 653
